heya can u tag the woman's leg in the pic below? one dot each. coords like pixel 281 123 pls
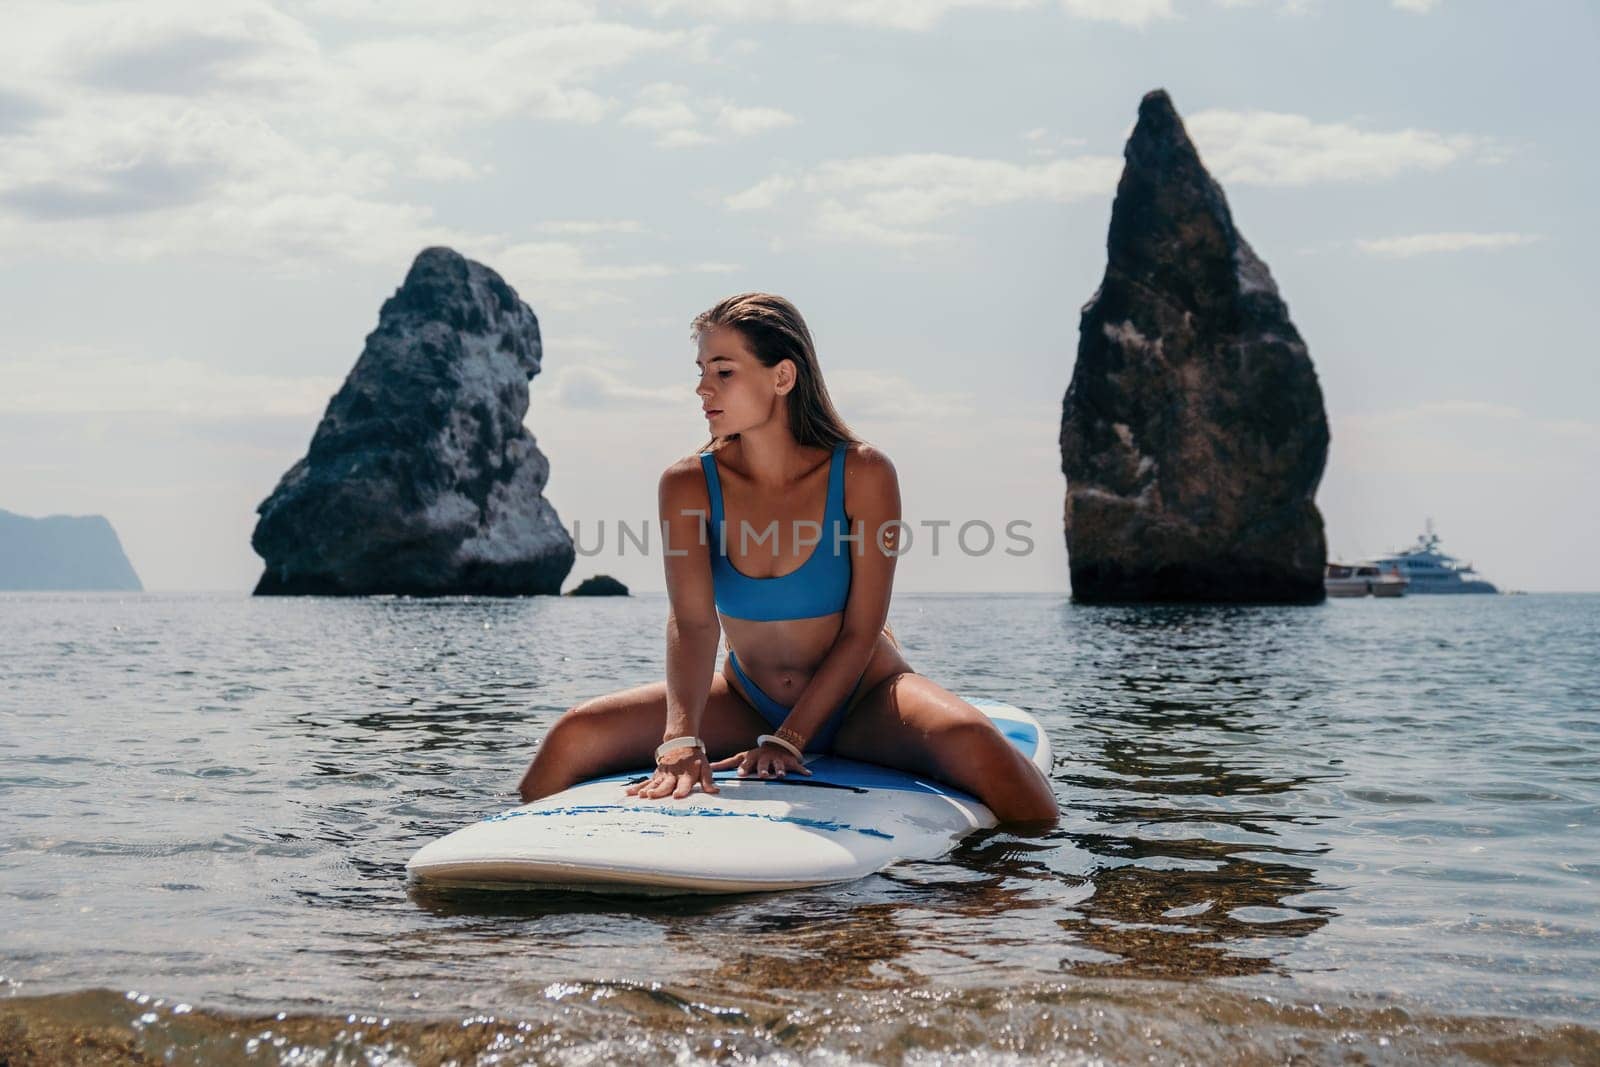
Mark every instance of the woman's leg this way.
pixel 621 730
pixel 909 722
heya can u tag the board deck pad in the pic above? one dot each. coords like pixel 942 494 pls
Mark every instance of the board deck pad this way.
pixel 845 821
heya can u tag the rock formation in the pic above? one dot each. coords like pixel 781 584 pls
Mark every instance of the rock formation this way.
pixel 76 552
pixel 600 585
pixel 421 478
pixel 1193 434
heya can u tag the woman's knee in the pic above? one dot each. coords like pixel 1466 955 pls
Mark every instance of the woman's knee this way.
pixel 546 771
pixel 592 736
pixel 964 736
pixel 994 770
pixel 576 728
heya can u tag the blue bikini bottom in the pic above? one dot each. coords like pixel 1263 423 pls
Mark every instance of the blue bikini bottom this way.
pixel 775 712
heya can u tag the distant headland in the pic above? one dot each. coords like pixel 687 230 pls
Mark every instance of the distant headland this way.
pixel 63 553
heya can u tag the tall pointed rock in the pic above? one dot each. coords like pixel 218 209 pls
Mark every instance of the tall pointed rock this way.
pixel 1193 434
pixel 421 478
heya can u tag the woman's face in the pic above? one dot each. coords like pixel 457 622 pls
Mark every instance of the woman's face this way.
pixel 735 390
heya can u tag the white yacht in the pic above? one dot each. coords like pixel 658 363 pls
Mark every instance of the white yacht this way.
pixel 1431 571
pixel 1363 579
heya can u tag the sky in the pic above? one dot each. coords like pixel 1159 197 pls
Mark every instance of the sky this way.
pixel 202 206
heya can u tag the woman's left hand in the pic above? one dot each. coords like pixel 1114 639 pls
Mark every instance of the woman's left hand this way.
pixel 768 761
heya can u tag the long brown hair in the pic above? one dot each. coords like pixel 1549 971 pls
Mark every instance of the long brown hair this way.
pixel 774 330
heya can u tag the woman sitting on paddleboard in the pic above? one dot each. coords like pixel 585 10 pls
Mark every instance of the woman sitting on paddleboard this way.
pixel 811 664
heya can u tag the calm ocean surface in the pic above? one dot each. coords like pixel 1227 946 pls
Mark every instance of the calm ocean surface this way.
pixel 1360 831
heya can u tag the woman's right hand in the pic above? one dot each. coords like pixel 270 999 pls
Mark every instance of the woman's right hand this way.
pixel 677 773
pixel 764 761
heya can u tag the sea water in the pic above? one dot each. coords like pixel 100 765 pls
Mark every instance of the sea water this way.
pixel 1353 831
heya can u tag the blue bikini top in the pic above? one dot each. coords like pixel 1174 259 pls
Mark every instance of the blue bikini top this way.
pixel 820 586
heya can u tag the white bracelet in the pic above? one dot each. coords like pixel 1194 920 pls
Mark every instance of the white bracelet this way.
pixel 774 739
pixel 677 743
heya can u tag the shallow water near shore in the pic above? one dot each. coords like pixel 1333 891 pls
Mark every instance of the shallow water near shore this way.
pixel 1353 831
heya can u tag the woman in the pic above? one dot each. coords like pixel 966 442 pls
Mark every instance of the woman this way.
pixel 811 664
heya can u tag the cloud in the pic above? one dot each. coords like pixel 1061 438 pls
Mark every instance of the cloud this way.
pixel 1276 148
pixel 683 138
pixel 1502 481
pixel 565 261
pixel 140 185
pixel 1041 142
pixel 869 396
pixel 170 127
pixel 900 200
pixel 440 83
pixel 878 396
pixel 406 80
pixel 1477 438
pixel 17 110
pixel 431 15
pixel 596 388
pixel 1477 408
pixel 681 122
pixel 1416 7
pixel 156 184
pixel 136 179
pixel 662 106
pixel 1284 7
pixel 1418 244
pixel 442 167
pixel 187 63
pixel 763 194
pixel 923 15
pixel 585 227
pixel 561 275
pixel 1135 13
pixel 745 121
pixel 882 14
pixel 78 381
pixel 164 47
pixel 897 200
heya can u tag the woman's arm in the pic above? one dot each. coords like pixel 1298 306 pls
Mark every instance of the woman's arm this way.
pixel 692 628
pixel 872 495
pixel 692 625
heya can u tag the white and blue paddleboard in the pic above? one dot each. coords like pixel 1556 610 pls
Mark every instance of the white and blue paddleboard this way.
pixel 847 820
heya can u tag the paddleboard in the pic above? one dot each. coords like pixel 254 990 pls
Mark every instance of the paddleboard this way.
pixel 847 820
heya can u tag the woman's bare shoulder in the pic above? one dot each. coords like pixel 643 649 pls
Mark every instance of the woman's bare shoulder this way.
pixel 684 481
pixel 869 460
pixel 870 481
